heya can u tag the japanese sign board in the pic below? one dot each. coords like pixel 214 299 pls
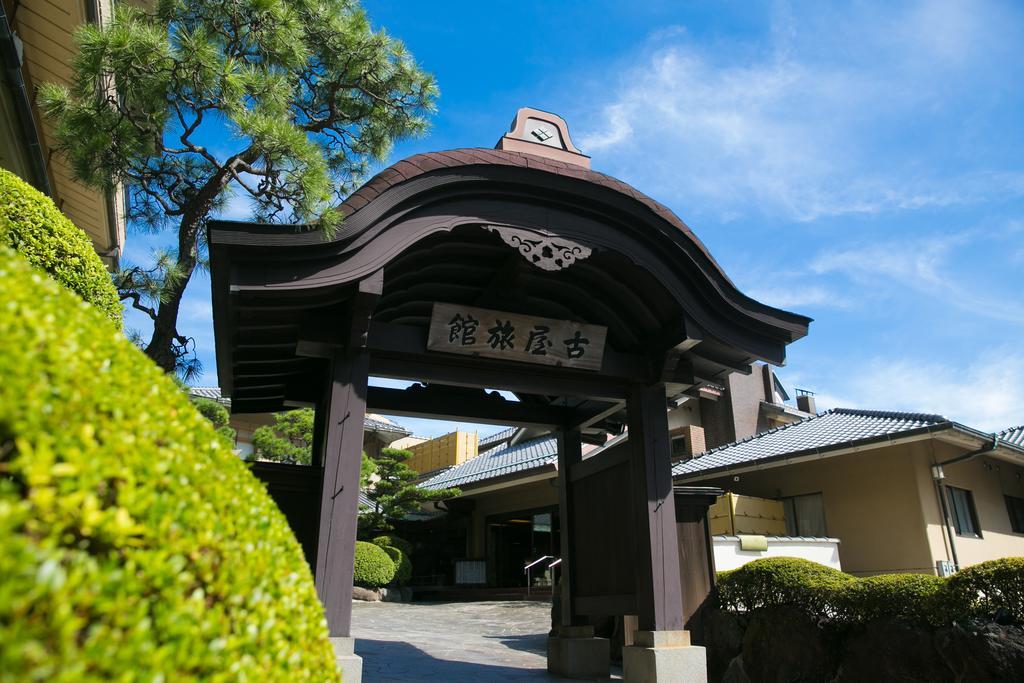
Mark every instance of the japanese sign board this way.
pixel 509 336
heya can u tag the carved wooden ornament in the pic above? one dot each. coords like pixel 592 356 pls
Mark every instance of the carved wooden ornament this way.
pixel 546 251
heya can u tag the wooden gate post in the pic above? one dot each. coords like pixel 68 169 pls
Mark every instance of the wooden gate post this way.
pixel 661 649
pixel 339 502
pixel 570 452
pixel 658 593
pixel 573 651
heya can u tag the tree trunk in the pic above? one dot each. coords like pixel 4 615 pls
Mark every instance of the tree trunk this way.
pixel 161 347
pixel 165 327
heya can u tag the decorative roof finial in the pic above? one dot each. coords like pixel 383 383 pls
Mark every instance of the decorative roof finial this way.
pixel 542 134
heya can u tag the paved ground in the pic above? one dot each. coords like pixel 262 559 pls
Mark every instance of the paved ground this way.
pixel 472 641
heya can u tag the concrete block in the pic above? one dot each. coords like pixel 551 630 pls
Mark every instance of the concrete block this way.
pixel 669 658
pixel 349 663
pixel 579 657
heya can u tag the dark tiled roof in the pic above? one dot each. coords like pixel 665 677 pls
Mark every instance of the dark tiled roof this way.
pixel 833 429
pixel 497 462
pixel 1014 435
pixel 371 423
pixel 419 164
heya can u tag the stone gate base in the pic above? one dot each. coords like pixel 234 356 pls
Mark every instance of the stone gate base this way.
pixel 663 656
pixel 576 653
pixel 349 663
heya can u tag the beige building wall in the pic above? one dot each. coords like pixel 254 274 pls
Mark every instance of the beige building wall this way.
pixel 871 505
pixel 989 480
pixel 883 507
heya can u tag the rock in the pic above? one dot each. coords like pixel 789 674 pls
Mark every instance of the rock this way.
pixel 782 644
pixel 723 638
pixel 993 652
pixel 365 594
pixel 888 651
pixel 734 673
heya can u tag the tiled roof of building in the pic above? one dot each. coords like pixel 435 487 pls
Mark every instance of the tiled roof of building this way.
pixel 212 393
pixel 1014 435
pixel 497 437
pixel 497 462
pixel 829 430
pixel 371 423
pixel 379 423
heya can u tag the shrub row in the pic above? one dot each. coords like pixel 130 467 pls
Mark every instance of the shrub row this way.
pixel 136 546
pixel 978 592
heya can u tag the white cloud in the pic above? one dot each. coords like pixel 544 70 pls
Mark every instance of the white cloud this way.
pixel 925 266
pixel 796 295
pixel 805 127
pixel 986 393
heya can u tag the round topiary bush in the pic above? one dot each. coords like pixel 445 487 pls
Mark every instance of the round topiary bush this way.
pixel 33 226
pixel 392 541
pixel 136 546
pixel 403 566
pixel 373 567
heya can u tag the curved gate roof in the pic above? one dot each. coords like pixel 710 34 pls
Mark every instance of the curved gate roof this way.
pixel 649 279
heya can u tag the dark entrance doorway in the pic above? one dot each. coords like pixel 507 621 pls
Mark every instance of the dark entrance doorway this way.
pixel 516 268
pixel 515 541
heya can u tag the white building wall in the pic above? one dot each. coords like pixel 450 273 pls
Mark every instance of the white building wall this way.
pixel 728 554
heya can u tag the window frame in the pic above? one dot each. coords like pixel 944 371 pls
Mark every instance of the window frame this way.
pixel 1016 516
pixel 971 516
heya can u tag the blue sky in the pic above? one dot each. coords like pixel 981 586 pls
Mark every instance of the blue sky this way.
pixel 862 164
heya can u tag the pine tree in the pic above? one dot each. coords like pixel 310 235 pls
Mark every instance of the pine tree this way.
pixel 395 494
pixel 290 440
pixel 284 101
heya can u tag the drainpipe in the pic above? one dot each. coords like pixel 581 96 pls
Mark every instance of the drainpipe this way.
pixel 940 490
pixel 10 56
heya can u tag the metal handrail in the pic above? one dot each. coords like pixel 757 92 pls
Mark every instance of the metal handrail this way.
pixel 557 562
pixel 538 561
pixel 526 569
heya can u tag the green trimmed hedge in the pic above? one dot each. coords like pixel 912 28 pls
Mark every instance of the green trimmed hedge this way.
pixel 373 567
pixel 821 592
pixel 392 541
pixel 775 581
pixel 32 225
pixel 986 588
pixel 403 566
pixel 136 546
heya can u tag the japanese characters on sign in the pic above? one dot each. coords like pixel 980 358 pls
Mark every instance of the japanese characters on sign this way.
pixel 510 336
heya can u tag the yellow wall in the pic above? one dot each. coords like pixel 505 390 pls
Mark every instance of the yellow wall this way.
pixel 444 451
pixel 882 506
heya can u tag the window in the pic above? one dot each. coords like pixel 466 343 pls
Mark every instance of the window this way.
pixel 679 447
pixel 1015 506
pixel 805 515
pixel 961 508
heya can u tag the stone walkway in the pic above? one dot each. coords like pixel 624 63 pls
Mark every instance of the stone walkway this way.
pixel 465 641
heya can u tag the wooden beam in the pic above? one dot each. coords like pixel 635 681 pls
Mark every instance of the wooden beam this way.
pixel 570 454
pixel 368 293
pixel 400 351
pixel 457 403
pixel 339 502
pixel 443 370
pixel 658 592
